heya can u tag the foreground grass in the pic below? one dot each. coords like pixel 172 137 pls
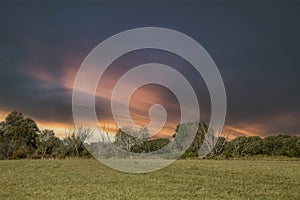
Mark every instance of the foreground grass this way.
pixel 185 179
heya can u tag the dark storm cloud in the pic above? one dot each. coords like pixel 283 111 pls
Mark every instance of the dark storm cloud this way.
pixel 262 74
pixel 255 45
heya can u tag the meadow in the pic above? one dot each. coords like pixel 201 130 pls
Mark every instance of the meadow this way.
pixel 184 179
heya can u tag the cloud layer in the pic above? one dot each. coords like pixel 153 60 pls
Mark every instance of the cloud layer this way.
pixel 255 45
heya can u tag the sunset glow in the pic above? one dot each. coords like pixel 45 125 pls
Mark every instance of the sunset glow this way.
pixel 39 62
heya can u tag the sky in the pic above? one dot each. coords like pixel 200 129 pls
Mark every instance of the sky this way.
pixel 255 45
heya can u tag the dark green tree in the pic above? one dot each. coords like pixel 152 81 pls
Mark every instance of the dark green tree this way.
pixel 244 146
pixel 150 145
pixel 18 136
pixel 281 145
pixel 183 136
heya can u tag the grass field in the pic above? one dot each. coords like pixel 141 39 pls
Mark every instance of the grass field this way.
pixel 185 179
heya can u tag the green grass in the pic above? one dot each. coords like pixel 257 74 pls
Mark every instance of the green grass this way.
pixel 185 179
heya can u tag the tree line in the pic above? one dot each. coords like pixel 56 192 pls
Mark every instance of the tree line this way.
pixel 20 137
pixel 241 146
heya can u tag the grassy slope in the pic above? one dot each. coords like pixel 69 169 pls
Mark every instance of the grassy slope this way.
pixel 185 179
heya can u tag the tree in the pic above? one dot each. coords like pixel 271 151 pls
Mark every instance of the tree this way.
pixel 127 137
pixel 47 143
pixel 150 145
pixel 281 145
pixel 216 147
pixel 18 136
pixel 243 146
pixel 183 136
pixel 74 142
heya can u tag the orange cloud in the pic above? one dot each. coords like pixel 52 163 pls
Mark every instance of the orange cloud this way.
pixel 232 132
pixel 60 129
pixel 140 103
pixel 3 115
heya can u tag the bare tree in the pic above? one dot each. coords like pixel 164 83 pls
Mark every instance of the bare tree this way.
pixel 75 140
pixel 214 143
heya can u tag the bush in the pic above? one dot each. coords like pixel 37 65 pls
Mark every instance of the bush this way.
pixel 20 153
